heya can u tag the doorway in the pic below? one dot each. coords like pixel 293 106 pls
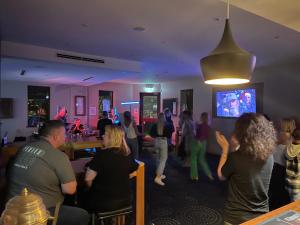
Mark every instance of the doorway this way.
pixel 149 109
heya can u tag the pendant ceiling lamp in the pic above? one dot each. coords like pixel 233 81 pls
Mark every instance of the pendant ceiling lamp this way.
pixel 228 63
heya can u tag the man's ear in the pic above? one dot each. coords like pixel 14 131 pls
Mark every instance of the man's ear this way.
pixel 54 136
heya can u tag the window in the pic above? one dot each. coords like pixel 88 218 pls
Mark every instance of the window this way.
pixel 38 105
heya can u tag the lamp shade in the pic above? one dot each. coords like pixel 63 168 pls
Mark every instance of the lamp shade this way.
pixel 228 63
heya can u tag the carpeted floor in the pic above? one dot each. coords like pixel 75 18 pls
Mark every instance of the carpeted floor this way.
pixel 182 202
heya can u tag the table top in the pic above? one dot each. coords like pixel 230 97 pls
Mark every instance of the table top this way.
pixel 74 145
pixel 295 206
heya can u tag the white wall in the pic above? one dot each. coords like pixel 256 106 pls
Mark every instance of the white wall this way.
pixel 59 95
pixel 281 96
pixel 121 92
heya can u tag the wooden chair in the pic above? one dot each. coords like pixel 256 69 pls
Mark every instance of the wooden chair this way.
pixel 118 215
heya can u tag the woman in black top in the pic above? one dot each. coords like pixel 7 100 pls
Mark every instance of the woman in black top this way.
pixel 108 173
pixel 160 132
pixel 247 168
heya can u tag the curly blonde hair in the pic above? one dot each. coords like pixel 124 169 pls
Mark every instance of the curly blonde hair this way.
pixel 256 135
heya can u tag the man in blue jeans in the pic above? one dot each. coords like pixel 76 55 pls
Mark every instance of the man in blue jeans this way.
pixel 47 171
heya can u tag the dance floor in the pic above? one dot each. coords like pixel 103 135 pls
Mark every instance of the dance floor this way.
pixel 180 201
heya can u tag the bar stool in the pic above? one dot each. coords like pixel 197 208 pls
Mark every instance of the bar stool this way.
pixel 119 214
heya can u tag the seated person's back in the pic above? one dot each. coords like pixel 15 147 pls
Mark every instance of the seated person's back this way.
pixel 108 173
pixel 45 170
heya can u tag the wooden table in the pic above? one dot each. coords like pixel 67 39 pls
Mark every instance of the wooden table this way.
pixel 295 206
pixel 78 166
pixel 70 147
pixel 8 151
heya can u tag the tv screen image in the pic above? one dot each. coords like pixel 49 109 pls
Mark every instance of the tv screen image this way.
pixel 233 103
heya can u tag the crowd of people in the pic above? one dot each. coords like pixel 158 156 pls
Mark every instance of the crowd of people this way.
pixel 261 165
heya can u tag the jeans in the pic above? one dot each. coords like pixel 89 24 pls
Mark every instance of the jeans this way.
pixel 134 146
pixel 198 158
pixel 161 148
pixel 69 215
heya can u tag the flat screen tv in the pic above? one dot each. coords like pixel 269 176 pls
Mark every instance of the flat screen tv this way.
pixel 233 101
pixel 6 108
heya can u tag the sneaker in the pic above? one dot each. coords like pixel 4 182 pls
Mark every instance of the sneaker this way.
pixel 158 181
pixel 211 177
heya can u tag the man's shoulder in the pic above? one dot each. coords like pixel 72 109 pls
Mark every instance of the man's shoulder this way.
pixel 46 147
pixel 39 144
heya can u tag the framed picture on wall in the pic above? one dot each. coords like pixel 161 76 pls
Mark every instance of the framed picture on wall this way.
pixel 171 104
pixel 79 105
pixel 105 102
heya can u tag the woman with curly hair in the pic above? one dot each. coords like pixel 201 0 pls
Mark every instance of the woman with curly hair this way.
pixel 247 168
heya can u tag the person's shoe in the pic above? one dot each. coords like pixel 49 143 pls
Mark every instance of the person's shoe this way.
pixel 163 177
pixel 211 177
pixel 195 178
pixel 158 181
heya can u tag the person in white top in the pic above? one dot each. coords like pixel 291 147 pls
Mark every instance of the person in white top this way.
pixel 132 133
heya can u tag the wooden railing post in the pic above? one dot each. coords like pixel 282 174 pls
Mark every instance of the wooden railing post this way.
pixel 140 195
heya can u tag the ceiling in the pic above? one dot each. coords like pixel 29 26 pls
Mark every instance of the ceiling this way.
pixel 282 12
pixel 177 34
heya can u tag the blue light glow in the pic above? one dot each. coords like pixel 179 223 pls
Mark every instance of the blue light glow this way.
pixel 130 103
pixel 149 89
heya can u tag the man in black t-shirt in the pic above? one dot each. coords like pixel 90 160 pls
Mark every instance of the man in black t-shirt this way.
pixel 102 123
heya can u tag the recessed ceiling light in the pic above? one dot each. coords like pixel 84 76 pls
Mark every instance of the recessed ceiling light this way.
pixel 84 25
pixel 276 37
pixel 140 29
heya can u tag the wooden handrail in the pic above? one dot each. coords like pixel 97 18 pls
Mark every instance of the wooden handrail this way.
pixel 140 194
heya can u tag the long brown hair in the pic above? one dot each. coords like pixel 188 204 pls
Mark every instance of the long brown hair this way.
pixel 256 135
pixel 116 137
pixel 287 125
pixel 161 123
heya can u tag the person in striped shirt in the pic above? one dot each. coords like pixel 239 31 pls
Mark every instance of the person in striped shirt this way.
pixel 293 167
